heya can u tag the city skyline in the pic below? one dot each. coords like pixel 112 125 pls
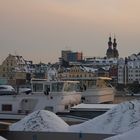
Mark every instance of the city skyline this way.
pixel 39 30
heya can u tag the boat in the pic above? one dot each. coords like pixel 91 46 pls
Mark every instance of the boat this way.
pixel 55 96
pixel 97 90
pixel 7 90
pixel 25 90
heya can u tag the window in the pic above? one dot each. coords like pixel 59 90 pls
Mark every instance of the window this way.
pixel 66 107
pixel 57 87
pixel 69 87
pixel 1 88
pixel 38 87
pixel 6 107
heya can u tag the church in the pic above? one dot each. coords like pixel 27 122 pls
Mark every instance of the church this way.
pixel 112 51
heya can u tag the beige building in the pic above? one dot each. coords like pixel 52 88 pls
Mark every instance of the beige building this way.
pixel 12 68
pixel 79 73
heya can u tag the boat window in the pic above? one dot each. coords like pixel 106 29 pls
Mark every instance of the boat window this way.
pixel 6 107
pixel 50 108
pixel 70 87
pixel 57 87
pixel 108 84
pixel 3 88
pixel 91 83
pixel 37 87
pixel 47 88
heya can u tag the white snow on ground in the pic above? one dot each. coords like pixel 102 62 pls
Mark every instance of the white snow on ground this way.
pixel 133 134
pixel 123 119
pixel 119 119
pixel 40 121
pixel 1 138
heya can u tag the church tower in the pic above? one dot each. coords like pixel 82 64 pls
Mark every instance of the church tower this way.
pixel 109 52
pixel 115 51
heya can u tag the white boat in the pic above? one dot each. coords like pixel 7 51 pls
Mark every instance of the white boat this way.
pixel 97 90
pixel 56 96
pixel 7 90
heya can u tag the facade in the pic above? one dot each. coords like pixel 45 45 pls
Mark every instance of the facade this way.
pixel 100 61
pixel 77 72
pixel 129 70
pixel 40 70
pixel 14 68
pixel 64 54
pixel 69 56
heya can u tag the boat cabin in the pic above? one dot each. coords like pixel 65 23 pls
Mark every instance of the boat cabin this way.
pixel 53 86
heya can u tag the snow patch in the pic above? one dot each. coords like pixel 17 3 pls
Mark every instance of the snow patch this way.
pixel 40 121
pixel 1 138
pixel 119 119
pixel 130 135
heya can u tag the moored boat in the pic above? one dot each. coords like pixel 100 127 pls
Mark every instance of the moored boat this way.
pixel 56 96
pixel 98 90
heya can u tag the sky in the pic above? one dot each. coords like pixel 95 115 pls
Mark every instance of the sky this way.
pixel 39 29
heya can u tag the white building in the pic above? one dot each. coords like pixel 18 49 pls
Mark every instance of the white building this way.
pixel 129 71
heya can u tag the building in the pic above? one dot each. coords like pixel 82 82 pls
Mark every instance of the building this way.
pixel 112 51
pixel 78 72
pixel 100 61
pixel 64 54
pixel 69 56
pixel 129 70
pixel 14 69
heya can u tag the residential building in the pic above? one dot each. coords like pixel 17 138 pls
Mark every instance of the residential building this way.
pixel 129 70
pixel 12 67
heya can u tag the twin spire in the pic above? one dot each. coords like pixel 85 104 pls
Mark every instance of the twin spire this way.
pixel 112 52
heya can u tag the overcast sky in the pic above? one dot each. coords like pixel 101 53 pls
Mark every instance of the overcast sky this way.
pixel 39 29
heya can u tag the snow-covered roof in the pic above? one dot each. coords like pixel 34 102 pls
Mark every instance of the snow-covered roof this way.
pixel 106 67
pixel 88 69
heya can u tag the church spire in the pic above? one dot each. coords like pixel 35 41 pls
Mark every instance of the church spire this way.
pixel 109 51
pixel 110 42
pixel 114 43
pixel 115 51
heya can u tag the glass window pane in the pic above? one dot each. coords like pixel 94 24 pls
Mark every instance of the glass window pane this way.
pixel 37 87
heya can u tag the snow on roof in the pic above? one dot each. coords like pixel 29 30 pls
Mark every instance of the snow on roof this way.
pixel 119 119
pixel 89 69
pixel 130 135
pixel 106 67
pixel 40 121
